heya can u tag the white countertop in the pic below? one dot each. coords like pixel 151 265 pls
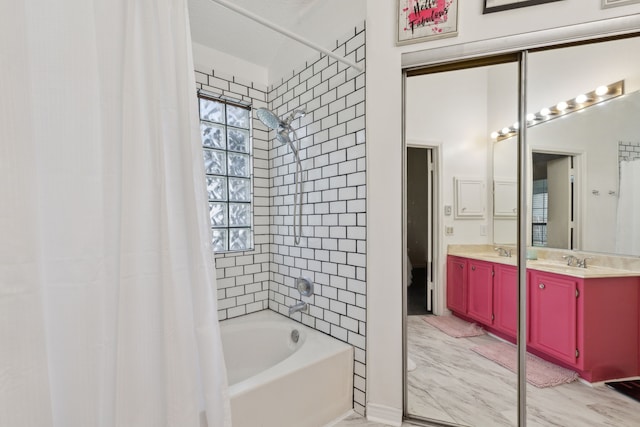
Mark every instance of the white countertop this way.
pixel 557 266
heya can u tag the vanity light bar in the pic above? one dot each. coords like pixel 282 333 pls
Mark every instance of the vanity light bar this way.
pixel 562 108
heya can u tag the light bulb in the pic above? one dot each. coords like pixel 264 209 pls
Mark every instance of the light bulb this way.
pixel 562 105
pixel 602 90
pixel 531 117
pixel 581 99
pixel 516 125
pixel 545 111
pixel 505 131
pixel 494 135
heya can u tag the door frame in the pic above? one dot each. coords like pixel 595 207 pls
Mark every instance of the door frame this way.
pixel 437 215
pixel 579 160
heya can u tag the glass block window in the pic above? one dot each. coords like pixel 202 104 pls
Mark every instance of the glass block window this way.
pixel 226 143
pixel 539 211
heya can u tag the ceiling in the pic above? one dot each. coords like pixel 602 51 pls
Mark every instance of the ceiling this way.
pixel 227 31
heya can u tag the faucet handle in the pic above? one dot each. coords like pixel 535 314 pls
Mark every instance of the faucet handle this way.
pixel 502 251
pixel 583 262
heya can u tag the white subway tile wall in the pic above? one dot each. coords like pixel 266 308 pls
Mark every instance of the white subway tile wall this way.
pixel 332 250
pixel 243 277
pixel 628 151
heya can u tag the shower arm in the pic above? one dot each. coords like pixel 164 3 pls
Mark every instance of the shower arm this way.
pixel 287 33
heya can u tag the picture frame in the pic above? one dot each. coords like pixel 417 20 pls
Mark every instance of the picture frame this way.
pixel 613 3
pixel 424 20
pixel 491 6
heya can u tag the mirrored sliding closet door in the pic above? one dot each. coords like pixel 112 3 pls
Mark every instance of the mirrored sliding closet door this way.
pixel 532 237
pixel 459 338
pixel 584 185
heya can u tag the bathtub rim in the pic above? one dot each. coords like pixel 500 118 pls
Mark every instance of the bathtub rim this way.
pixel 317 346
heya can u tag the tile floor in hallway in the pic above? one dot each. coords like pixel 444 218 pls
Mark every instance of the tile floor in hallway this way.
pixel 454 384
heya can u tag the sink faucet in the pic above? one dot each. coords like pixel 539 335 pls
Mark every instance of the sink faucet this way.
pixel 582 263
pixel 571 260
pixel 503 251
pixel 299 306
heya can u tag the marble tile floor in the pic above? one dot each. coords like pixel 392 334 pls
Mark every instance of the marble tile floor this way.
pixel 453 384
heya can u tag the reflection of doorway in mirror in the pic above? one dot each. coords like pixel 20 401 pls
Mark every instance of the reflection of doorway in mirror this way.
pixel 554 204
pixel 419 258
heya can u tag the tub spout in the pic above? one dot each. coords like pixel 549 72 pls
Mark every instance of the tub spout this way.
pixel 300 306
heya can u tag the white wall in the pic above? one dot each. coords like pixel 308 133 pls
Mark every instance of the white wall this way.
pixel 205 58
pixel 384 240
pixel 321 24
pixel 451 109
pixel 384 141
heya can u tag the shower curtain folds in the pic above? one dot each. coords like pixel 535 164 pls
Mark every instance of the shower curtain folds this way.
pixel 107 310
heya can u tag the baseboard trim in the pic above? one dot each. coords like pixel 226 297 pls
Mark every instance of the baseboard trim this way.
pixel 384 415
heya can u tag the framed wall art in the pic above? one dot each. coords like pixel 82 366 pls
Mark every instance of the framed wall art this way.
pixel 491 6
pixel 613 3
pixel 422 20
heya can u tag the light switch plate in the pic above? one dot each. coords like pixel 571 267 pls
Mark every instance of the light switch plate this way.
pixel 447 210
pixel 448 231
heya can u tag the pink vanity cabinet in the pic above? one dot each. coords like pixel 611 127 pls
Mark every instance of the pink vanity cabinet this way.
pixel 484 292
pixel 553 306
pixel 505 299
pixel 587 324
pixel 457 284
pixel 480 291
pixel 590 325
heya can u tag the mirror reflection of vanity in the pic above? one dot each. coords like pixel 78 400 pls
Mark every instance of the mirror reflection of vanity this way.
pixel 582 316
pixel 597 145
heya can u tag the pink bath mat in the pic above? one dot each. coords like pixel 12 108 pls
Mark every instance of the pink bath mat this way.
pixel 540 373
pixel 454 326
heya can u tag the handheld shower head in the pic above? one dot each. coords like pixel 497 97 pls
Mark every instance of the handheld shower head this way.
pixel 269 119
pixel 284 132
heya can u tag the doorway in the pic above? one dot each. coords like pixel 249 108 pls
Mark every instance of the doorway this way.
pixel 420 226
pixel 554 204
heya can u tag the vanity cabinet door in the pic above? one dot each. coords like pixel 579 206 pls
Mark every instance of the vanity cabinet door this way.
pixel 480 290
pixel 457 284
pixel 552 315
pixel 505 299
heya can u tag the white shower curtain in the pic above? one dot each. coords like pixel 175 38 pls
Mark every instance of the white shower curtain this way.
pixel 628 226
pixel 107 311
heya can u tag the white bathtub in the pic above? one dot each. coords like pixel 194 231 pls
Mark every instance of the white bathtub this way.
pixel 274 382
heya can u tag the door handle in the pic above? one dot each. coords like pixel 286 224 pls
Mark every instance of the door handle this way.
pixel 473 268
pixel 541 286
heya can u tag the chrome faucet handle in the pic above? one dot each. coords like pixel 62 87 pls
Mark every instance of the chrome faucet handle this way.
pixel 583 262
pixel 570 259
pixel 502 251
